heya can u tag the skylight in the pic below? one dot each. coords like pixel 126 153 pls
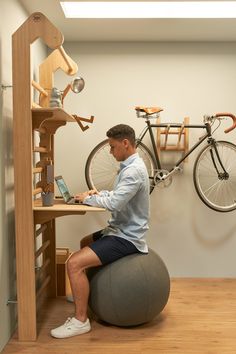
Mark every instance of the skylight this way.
pixel 148 9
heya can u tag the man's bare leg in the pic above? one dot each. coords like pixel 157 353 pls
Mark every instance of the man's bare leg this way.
pixel 85 241
pixel 76 264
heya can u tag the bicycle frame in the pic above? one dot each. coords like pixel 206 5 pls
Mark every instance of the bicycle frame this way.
pixel 213 170
pixel 149 127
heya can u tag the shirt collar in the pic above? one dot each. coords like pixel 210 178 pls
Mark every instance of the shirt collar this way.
pixel 128 161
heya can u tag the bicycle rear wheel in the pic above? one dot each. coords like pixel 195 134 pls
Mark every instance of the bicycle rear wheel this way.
pixel 217 191
pixel 101 168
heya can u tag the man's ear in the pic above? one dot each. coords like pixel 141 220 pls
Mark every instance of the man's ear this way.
pixel 126 143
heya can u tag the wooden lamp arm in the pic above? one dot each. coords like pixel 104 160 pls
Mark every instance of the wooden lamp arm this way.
pixel 65 92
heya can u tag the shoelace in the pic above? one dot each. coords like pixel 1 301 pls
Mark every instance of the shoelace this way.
pixel 68 321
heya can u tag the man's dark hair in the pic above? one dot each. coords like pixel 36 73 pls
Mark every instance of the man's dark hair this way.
pixel 122 131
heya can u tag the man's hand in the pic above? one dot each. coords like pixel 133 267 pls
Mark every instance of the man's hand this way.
pixel 81 196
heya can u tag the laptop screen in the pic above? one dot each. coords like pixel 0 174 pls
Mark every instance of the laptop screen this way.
pixel 63 188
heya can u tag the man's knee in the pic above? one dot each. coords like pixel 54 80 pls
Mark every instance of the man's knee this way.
pixel 75 263
pixel 81 260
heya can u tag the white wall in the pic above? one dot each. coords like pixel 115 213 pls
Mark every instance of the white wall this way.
pixel 12 15
pixel 185 79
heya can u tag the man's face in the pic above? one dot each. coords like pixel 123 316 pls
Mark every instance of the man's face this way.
pixel 118 148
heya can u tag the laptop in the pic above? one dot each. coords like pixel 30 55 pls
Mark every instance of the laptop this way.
pixel 68 198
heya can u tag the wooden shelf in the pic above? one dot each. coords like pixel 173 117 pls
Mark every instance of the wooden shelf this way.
pixel 44 117
pixel 44 214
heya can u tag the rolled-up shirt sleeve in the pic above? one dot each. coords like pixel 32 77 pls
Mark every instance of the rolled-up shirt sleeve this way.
pixel 115 200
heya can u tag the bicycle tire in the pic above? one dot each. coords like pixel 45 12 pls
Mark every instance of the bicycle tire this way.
pixel 217 193
pixel 101 168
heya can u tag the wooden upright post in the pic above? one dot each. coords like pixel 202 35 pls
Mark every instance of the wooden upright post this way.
pixel 37 25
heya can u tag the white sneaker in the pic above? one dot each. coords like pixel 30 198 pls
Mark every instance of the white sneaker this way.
pixel 70 298
pixel 72 327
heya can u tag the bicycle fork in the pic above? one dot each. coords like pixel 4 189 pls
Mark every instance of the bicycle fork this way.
pixel 221 175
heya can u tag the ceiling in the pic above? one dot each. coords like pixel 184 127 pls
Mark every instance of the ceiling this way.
pixel 133 29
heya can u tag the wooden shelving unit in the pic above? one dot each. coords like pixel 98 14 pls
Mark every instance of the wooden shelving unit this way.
pixel 32 220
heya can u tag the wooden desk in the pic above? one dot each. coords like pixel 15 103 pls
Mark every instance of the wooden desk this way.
pixel 43 214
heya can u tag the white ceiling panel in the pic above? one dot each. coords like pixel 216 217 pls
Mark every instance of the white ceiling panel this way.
pixel 133 29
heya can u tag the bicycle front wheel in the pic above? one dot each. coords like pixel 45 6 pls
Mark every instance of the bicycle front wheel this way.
pixel 101 168
pixel 216 188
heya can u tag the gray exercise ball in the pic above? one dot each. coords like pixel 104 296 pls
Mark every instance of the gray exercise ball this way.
pixel 130 291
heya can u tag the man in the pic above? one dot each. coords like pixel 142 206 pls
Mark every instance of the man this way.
pixel 125 233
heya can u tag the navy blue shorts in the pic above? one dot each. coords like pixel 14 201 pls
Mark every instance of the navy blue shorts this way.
pixel 110 248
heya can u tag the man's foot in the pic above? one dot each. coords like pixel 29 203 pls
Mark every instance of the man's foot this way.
pixel 72 327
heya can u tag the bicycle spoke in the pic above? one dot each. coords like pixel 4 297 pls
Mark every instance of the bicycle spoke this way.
pixel 211 188
pixel 101 167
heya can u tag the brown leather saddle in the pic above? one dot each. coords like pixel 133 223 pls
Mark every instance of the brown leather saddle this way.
pixel 148 110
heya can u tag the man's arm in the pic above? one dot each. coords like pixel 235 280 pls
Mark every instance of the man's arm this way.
pixel 81 196
pixel 116 200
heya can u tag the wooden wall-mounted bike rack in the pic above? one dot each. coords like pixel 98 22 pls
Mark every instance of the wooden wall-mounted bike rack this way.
pixel 182 134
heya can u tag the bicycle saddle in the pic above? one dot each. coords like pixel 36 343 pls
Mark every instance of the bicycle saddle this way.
pixel 148 110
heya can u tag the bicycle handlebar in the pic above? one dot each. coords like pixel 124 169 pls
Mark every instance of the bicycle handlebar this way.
pixel 228 115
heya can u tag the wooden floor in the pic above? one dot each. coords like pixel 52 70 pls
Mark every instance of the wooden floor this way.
pixel 199 318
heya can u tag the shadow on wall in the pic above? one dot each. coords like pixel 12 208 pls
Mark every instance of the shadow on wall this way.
pixel 214 230
pixel 7 223
pixel 9 213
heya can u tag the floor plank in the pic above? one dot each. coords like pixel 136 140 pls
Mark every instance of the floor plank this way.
pixel 200 318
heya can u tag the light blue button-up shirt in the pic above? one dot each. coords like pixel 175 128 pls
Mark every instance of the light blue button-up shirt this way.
pixel 128 203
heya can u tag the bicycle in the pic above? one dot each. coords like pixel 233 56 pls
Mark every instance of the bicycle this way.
pixel 214 171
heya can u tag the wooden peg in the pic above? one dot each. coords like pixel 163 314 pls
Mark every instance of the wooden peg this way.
pixel 39 88
pixel 80 119
pixel 166 135
pixel 65 57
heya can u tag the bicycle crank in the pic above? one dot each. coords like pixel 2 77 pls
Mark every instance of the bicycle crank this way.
pixel 162 178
